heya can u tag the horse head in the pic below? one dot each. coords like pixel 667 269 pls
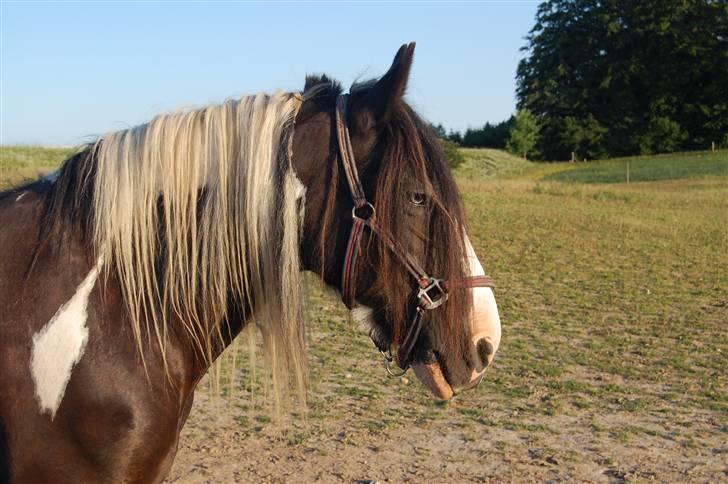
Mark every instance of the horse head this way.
pixel 384 225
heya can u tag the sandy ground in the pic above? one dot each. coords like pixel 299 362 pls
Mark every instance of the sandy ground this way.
pixel 364 427
pixel 214 447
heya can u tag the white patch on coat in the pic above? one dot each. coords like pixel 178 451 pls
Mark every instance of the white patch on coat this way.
pixel 59 346
pixel 300 188
pixel 22 194
pixel 300 196
pixel 486 320
pixel 363 316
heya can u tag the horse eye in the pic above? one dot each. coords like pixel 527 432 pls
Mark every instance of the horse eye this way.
pixel 417 198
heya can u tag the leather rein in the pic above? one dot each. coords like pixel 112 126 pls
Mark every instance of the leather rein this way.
pixel 430 292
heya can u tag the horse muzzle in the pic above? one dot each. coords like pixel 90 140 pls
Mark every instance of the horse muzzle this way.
pixel 446 377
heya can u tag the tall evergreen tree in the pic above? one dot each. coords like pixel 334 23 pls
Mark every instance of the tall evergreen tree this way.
pixel 439 130
pixel 489 136
pixel 524 134
pixel 617 77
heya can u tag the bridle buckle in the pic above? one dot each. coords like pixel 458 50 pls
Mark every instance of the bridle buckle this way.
pixel 432 295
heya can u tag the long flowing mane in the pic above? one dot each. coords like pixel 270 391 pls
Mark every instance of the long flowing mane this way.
pixel 194 210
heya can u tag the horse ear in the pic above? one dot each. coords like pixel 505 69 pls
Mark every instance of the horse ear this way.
pixel 379 100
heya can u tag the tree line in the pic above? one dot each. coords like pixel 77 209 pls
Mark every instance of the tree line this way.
pixel 604 78
pixel 518 134
pixel 488 136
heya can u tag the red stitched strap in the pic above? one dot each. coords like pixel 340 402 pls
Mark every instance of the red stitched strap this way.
pixel 350 261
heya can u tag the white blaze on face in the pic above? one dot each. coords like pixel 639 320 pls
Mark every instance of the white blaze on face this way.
pixel 485 321
pixel 59 345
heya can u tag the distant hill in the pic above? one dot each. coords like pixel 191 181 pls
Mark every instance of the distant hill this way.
pixel 490 163
pixel 672 166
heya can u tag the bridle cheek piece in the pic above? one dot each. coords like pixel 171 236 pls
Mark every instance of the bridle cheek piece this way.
pixel 430 293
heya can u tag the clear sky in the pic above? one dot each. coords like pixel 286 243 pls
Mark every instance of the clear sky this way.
pixel 72 70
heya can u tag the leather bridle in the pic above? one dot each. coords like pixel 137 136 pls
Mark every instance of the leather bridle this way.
pixel 430 292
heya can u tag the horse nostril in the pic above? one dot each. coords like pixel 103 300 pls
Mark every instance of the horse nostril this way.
pixel 485 351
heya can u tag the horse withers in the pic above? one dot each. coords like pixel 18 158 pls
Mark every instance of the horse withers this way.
pixel 124 276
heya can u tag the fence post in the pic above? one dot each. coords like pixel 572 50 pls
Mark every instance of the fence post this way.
pixel 712 146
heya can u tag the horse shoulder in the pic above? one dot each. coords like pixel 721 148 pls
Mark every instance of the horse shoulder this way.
pixel 78 392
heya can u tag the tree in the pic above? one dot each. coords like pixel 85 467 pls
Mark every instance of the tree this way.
pixel 452 153
pixel 455 136
pixel 439 130
pixel 489 136
pixel 524 134
pixel 619 77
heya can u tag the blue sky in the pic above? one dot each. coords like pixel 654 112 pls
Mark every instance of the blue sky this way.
pixel 74 70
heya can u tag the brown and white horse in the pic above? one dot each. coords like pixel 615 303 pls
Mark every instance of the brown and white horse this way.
pixel 124 275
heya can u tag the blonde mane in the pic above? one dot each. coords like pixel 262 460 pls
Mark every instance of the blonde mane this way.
pixel 198 208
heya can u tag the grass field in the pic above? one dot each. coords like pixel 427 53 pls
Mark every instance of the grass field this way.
pixel 613 364
pixel 671 166
pixel 485 163
pixel 20 163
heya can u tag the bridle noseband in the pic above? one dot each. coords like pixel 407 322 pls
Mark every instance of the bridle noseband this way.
pixel 431 292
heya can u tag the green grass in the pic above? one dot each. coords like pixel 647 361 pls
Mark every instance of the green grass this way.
pixel 603 283
pixel 614 303
pixel 21 163
pixel 488 163
pixel 646 168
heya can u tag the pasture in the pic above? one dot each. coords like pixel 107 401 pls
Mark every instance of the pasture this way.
pixel 613 364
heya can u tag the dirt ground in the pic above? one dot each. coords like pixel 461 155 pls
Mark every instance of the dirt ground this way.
pixel 362 426
pixel 406 439
pixel 613 365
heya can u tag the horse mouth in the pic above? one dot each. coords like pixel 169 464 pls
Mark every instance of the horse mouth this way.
pixel 432 375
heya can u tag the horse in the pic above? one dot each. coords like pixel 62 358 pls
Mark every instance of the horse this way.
pixel 127 272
